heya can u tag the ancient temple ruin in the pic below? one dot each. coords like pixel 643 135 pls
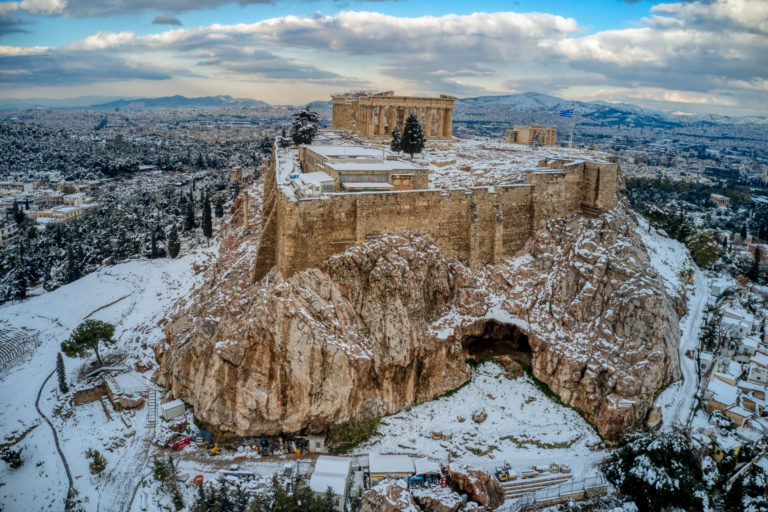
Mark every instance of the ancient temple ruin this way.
pixel 377 114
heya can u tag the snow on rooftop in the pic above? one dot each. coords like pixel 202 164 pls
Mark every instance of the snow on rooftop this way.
pixel 380 464
pixel 315 178
pixel 332 150
pixel 723 392
pixel 424 466
pixel 330 472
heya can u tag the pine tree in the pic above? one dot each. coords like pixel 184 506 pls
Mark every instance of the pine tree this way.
pixel 173 242
pixel 218 207
pixel 304 127
pixel 98 464
pixel 87 336
pixel 413 136
pixel 743 231
pixel 397 144
pixel 60 371
pixel 189 216
pixel 207 221
pixel 12 457
pixel 153 253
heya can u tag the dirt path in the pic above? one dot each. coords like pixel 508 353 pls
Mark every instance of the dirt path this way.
pixel 55 435
pixel 105 306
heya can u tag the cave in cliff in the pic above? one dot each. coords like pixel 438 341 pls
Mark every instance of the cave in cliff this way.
pixel 494 339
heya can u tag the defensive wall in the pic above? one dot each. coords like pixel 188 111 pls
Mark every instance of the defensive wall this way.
pixel 482 225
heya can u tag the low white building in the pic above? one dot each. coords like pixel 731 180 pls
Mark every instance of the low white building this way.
pixel 313 184
pixel 382 467
pixel 333 472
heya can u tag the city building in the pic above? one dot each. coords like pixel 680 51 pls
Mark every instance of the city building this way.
pixel 719 200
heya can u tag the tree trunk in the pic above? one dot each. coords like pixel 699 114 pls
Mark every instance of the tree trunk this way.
pixel 98 357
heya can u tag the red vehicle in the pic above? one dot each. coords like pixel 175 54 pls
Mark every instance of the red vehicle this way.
pixel 181 443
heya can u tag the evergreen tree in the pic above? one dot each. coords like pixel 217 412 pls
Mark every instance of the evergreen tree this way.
pixel 304 127
pixel 87 336
pixel 19 283
pixel 12 457
pixel 189 216
pixel 98 464
pixel 743 231
pixel 657 470
pixel 153 253
pixel 18 213
pixel 73 271
pixel 60 371
pixel 413 138
pixel 754 270
pixel 218 207
pixel 173 242
pixel 207 221
pixel 397 144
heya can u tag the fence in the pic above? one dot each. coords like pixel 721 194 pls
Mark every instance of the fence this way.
pixel 555 494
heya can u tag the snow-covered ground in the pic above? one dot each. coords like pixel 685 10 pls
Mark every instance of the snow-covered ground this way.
pixel 670 258
pixel 136 297
pixel 523 426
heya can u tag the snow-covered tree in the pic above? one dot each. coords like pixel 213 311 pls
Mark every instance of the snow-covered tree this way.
pixel 413 138
pixel 396 145
pixel 304 126
pixel 87 336
pixel 61 373
pixel 656 470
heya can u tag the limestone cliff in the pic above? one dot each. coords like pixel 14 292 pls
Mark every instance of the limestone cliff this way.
pixel 389 323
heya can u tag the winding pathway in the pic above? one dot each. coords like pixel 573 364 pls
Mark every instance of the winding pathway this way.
pixel 55 435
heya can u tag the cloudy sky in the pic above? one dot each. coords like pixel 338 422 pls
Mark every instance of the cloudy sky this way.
pixel 699 56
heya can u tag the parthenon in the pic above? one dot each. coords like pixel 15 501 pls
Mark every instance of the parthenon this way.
pixel 377 114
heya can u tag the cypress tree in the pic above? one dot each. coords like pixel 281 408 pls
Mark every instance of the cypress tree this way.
pixel 189 216
pixel 397 144
pixel 173 242
pixel 153 251
pixel 62 376
pixel 218 207
pixel 754 271
pixel 413 136
pixel 207 221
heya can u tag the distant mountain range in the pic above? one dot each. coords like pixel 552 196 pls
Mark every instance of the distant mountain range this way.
pixel 543 108
pixel 518 108
pixel 179 101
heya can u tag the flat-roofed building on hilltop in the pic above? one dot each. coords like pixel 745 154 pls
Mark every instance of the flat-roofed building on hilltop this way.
pixel 361 168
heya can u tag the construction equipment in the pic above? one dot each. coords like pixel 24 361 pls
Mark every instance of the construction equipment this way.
pixel 501 474
pixel 214 450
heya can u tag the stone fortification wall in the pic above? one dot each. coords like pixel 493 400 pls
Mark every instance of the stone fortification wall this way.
pixel 478 226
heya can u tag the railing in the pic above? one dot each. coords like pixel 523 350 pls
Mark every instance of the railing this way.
pixel 555 492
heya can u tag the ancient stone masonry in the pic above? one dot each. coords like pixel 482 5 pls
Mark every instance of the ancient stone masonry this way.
pixel 482 225
pixel 541 135
pixel 377 114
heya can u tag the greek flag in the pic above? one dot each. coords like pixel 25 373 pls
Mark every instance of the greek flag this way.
pixel 566 113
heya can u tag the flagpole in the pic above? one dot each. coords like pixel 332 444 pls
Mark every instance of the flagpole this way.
pixel 570 141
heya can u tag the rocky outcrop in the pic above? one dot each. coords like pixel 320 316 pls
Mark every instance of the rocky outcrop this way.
pixel 481 487
pixel 389 323
pixel 437 499
pixel 388 496
pixel 326 346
